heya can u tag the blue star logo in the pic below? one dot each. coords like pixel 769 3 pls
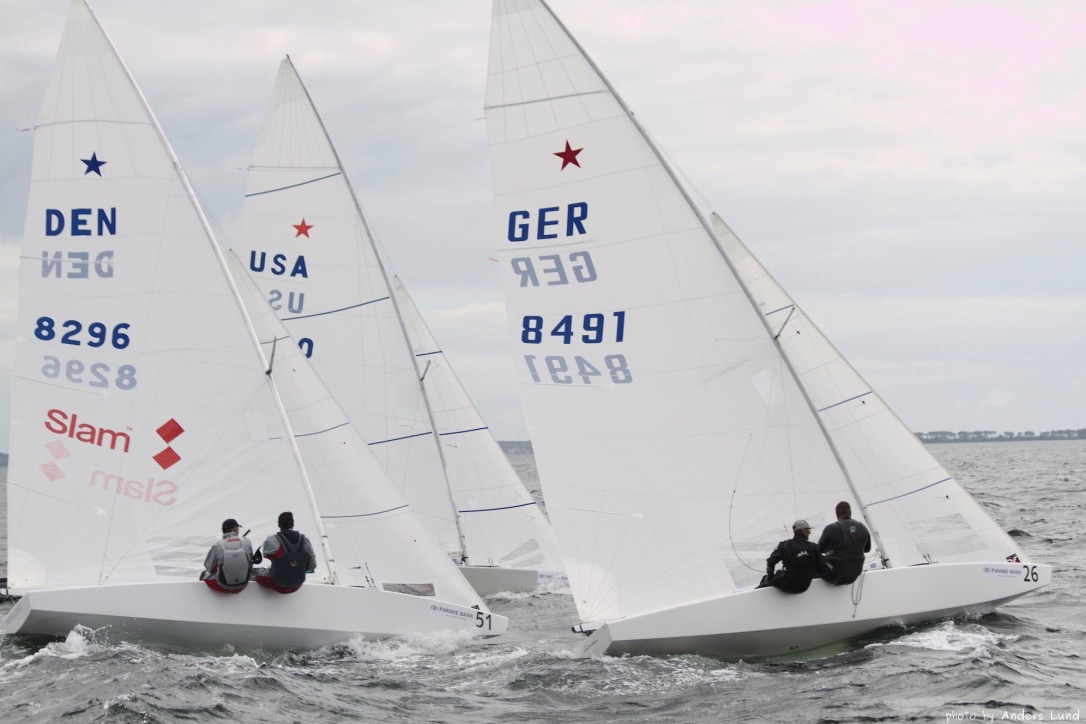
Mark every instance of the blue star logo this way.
pixel 93 164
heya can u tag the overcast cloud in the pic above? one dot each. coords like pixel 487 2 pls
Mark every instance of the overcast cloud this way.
pixel 914 173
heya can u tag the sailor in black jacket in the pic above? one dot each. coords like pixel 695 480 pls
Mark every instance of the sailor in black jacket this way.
pixel 801 559
pixel 844 544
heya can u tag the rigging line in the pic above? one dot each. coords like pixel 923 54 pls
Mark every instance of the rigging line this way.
pixel 490 510
pixel 397 439
pixel 363 515
pixel 857 592
pixel 785 323
pixel 854 397
pixel 334 311
pixel 731 506
pixel 931 485
pixel 271 357
pixel 293 186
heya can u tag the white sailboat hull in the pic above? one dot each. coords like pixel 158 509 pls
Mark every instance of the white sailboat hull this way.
pixel 488 580
pixel 191 616
pixel 768 622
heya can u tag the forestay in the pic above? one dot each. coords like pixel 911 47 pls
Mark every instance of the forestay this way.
pixel 502 524
pixel 921 514
pixel 673 445
pixel 142 411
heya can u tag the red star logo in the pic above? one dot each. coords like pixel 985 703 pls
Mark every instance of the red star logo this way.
pixel 569 156
pixel 303 228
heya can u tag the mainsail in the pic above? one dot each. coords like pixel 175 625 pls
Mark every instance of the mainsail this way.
pixel 677 431
pixel 673 446
pixel 501 521
pixel 309 246
pixel 153 395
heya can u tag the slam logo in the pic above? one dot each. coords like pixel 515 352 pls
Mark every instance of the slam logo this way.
pixel 69 425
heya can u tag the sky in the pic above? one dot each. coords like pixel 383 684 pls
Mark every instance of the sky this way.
pixel 913 173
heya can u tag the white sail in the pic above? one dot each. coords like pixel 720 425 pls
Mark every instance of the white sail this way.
pixel 149 405
pixel 673 446
pixel 309 248
pixel 137 419
pixel 375 536
pixel 306 243
pixel 676 437
pixel 920 512
pixel 501 521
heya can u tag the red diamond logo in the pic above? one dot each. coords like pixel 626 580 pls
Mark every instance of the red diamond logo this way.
pixel 166 458
pixel 52 471
pixel 57 449
pixel 170 430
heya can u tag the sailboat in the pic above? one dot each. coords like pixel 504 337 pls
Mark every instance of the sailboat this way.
pixel 310 248
pixel 683 410
pixel 156 394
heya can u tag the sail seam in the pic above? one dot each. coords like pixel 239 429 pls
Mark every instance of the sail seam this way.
pixel 293 186
pixel 335 311
pixel 321 432
pixel 545 100
pixel 405 437
pixel 490 510
pixel 363 515
pixel 855 397
pixel 461 432
pixel 886 500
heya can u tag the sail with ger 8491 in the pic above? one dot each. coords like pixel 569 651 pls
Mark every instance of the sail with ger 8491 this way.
pixel 156 394
pixel 679 420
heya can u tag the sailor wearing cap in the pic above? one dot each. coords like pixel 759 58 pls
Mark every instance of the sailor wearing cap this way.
pixel 801 559
pixel 229 563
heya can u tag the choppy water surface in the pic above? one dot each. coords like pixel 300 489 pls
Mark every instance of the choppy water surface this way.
pixel 1024 662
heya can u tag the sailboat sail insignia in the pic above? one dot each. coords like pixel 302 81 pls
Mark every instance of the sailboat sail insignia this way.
pixel 147 407
pixel 310 249
pixel 679 423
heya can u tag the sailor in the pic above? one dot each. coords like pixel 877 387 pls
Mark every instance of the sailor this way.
pixel 844 544
pixel 801 559
pixel 291 555
pixel 229 563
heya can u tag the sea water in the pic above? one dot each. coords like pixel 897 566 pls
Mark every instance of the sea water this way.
pixel 1026 662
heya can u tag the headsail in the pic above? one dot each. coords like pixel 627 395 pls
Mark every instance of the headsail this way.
pixel 673 445
pixel 502 523
pixel 920 513
pixel 144 413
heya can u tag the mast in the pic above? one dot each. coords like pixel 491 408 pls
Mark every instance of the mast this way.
pixel 707 226
pixel 235 292
pixel 399 317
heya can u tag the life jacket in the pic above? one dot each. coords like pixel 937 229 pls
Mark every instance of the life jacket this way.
pixel 236 565
pixel 288 570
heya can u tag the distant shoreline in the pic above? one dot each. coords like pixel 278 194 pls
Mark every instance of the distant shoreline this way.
pixel 524 447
